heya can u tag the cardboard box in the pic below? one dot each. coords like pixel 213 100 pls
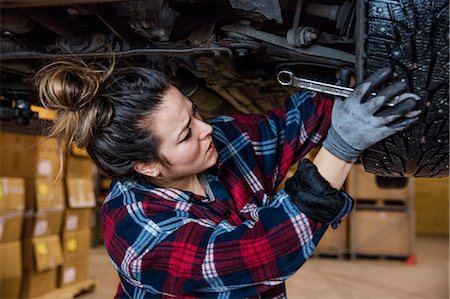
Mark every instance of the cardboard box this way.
pixel 41 258
pixel 18 155
pixel 80 168
pixel 382 233
pixel 10 269
pixel 75 151
pixel 12 194
pixel 10 287
pixel 42 223
pixel 73 271
pixel 80 193
pixel 11 226
pixel 335 241
pixel 431 203
pixel 363 185
pixel 76 244
pixel 48 162
pixel 10 259
pixel 77 219
pixel 42 253
pixel 35 284
pixel 44 193
pixel 28 156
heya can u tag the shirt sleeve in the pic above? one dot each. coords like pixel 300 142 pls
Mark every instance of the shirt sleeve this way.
pixel 169 252
pixel 282 136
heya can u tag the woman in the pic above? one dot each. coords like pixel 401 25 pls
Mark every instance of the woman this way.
pixel 193 209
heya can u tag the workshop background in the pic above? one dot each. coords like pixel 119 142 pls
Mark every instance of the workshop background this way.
pixel 394 244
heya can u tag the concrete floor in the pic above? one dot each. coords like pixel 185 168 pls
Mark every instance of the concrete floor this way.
pixel 330 278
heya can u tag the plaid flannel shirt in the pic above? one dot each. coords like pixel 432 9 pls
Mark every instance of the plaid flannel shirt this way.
pixel 241 241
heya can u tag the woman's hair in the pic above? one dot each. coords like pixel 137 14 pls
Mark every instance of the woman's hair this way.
pixel 105 110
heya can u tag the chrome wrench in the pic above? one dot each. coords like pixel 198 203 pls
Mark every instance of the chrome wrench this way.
pixel 287 78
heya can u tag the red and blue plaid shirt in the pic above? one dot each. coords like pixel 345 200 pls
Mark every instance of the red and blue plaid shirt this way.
pixel 244 239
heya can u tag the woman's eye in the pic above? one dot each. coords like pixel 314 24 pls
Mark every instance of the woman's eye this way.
pixel 188 135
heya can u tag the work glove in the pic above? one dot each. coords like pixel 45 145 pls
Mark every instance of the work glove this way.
pixel 362 119
pixel 315 197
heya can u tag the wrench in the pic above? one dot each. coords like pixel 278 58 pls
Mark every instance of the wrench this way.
pixel 287 78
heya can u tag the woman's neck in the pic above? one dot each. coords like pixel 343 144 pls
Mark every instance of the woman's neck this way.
pixel 192 184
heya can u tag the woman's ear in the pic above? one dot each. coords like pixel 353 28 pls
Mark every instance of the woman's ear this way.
pixel 148 169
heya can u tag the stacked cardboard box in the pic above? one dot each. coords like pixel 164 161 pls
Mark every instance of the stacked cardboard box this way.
pixel 12 203
pixel 35 160
pixel 44 208
pixel 383 222
pixel 76 233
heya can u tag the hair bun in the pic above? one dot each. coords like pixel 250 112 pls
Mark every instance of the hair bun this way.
pixel 68 85
pixel 71 88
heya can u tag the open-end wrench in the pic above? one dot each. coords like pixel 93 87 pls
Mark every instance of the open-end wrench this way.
pixel 287 78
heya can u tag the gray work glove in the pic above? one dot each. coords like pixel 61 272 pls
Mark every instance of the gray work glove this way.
pixel 358 122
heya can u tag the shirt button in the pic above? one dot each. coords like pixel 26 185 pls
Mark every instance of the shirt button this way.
pixel 227 214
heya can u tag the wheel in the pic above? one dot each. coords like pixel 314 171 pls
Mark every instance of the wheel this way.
pixel 412 38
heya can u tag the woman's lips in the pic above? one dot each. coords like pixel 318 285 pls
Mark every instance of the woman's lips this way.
pixel 211 146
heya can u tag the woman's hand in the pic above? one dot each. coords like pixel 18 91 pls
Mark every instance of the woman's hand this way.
pixel 357 122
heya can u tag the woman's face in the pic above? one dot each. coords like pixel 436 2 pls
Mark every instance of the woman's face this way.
pixel 185 139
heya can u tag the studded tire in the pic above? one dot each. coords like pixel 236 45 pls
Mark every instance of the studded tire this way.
pixel 412 38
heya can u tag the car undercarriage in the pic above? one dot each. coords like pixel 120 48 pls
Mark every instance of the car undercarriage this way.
pixel 226 55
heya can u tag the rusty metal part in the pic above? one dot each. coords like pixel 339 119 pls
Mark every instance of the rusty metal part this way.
pixel 314 51
pixel 301 36
pixel 129 53
pixel 268 8
pixel 151 19
pixel 47 3
pixel 53 20
pixel 15 22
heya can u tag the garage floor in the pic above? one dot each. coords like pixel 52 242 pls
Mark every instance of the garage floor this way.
pixel 335 279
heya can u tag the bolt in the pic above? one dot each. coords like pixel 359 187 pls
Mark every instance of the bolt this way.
pixel 241 52
pixel 73 12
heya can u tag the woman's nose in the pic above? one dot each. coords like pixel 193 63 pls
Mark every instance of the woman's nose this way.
pixel 205 129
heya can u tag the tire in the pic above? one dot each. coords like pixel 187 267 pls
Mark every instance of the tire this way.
pixel 412 38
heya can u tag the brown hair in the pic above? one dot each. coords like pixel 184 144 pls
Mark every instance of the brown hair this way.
pixel 103 109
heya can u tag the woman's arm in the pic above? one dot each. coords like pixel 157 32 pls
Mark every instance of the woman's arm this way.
pixel 331 168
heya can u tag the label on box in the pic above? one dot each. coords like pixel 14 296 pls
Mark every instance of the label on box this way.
pixel 71 244
pixel 69 275
pixel 40 228
pixel 43 189
pixel 45 167
pixel 41 248
pixel 72 222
